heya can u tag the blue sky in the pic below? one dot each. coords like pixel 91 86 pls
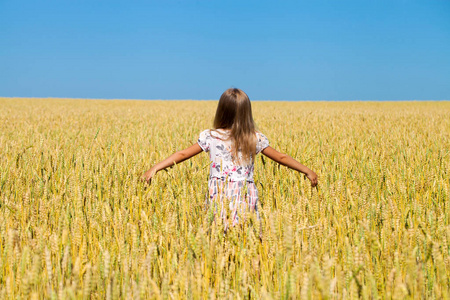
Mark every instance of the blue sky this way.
pixel 273 50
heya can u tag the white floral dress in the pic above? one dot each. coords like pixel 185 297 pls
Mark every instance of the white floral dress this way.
pixel 228 182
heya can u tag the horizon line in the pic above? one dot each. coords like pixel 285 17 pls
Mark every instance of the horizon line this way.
pixel 261 100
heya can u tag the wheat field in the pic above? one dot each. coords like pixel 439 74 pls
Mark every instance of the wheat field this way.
pixel 77 223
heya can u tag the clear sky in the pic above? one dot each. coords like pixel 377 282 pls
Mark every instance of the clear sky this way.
pixel 273 50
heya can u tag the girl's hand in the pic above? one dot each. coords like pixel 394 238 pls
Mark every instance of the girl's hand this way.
pixel 147 177
pixel 312 177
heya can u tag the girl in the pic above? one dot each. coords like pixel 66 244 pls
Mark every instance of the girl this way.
pixel 232 146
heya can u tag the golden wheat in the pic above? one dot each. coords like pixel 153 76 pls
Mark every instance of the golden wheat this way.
pixel 75 222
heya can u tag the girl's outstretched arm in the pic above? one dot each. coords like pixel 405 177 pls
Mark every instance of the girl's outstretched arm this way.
pixel 175 158
pixel 288 161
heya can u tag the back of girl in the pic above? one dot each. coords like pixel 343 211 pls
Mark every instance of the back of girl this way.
pixel 232 144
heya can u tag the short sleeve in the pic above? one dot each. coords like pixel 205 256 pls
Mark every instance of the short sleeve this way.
pixel 262 142
pixel 204 141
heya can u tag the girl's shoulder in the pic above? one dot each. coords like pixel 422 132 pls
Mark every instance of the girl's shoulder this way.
pixel 214 132
pixel 262 142
pixel 260 136
pixel 206 132
pixel 204 140
pixel 211 136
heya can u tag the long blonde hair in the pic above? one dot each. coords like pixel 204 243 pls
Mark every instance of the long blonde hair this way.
pixel 234 113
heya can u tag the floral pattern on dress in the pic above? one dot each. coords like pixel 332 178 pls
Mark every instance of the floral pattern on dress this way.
pixel 218 144
pixel 230 199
